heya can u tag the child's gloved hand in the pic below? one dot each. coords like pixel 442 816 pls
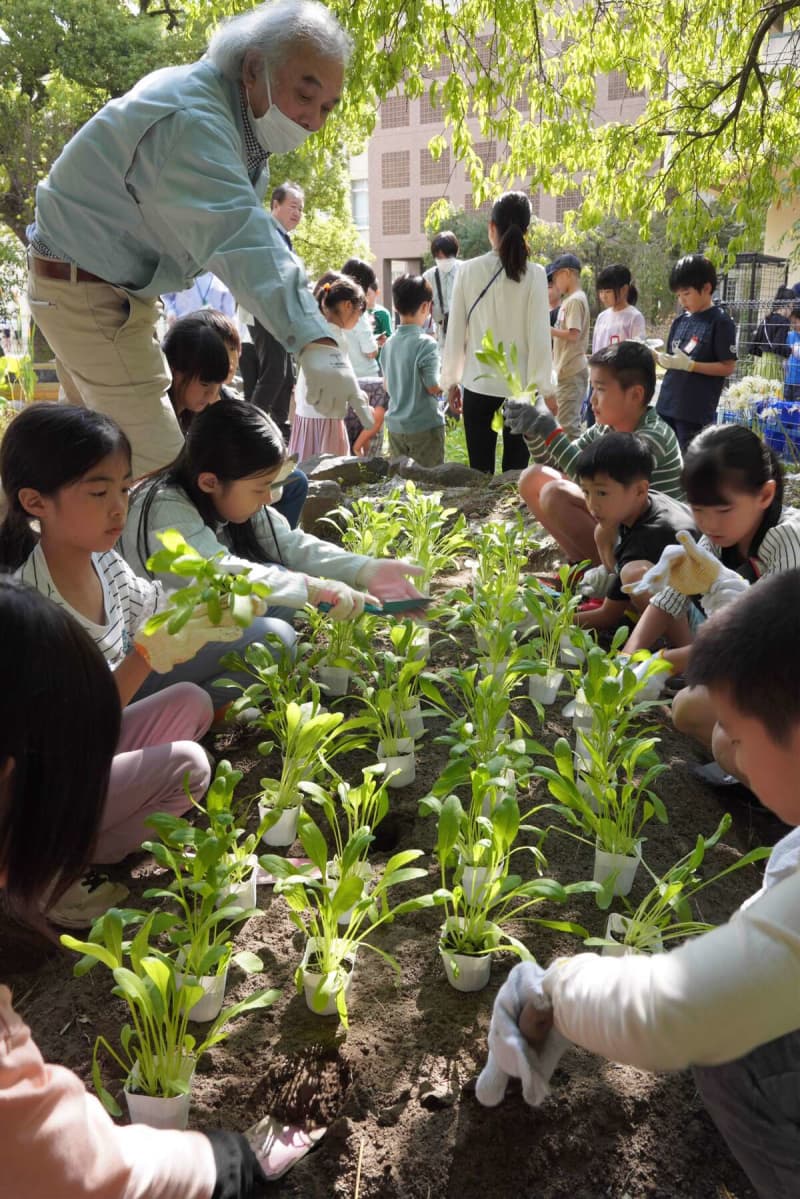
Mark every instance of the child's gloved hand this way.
pixel 346 603
pixel 678 360
pixel 522 1042
pixel 162 650
pixel 363 411
pixel 684 567
pixel 331 383
pixel 531 420
pixel 387 578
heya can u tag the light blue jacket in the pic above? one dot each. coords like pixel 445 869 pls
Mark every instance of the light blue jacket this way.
pixel 154 189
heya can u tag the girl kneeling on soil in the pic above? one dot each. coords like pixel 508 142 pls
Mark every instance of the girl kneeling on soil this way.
pixel 724 1003
pixel 734 485
pixel 59 735
pixel 217 493
pixel 69 469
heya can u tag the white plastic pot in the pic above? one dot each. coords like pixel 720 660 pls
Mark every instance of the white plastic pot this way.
pixel 543 688
pixel 582 716
pixel 496 671
pixel 364 872
pixel 242 895
pixel 401 765
pixel 213 986
pixel 625 866
pixel 284 831
pixel 421 642
pixel 311 979
pixel 412 718
pixel 569 654
pixel 157 1111
pixel 465 971
pixel 616 928
pixel 335 679
pixel 475 878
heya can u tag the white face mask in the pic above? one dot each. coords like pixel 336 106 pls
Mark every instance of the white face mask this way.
pixel 445 265
pixel 275 131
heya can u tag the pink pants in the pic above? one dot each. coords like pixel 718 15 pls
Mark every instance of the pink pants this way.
pixel 157 748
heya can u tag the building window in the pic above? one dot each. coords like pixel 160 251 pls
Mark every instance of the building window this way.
pixel 429 114
pixel 536 202
pixel 618 87
pixel 396 169
pixel 487 152
pixel 359 203
pixel 424 205
pixel 396 217
pixel 484 209
pixel 568 202
pixel 434 171
pixel 394 112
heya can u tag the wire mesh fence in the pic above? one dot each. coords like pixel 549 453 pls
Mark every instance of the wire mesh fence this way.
pixel 746 292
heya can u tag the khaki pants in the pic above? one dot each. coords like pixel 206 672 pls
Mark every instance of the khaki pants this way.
pixel 108 359
pixel 570 394
pixel 426 447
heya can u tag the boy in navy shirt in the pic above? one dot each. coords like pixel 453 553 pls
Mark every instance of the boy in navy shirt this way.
pixel 791 391
pixel 634 524
pixel 700 353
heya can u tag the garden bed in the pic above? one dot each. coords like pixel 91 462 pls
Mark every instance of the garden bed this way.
pixel 396 1090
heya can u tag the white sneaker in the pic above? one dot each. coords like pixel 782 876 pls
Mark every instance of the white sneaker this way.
pixel 594 583
pixel 86 900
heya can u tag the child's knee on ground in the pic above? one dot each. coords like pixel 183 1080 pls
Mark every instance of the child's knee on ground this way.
pixel 693 714
pixel 724 753
pixel 631 573
pixel 532 480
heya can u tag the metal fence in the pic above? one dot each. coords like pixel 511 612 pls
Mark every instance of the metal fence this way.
pixel 747 292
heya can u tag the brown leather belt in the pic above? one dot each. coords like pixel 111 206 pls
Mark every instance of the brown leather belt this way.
pixel 53 268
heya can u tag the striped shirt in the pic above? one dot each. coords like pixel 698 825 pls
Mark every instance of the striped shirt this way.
pixel 128 601
pixel 562 452
pixel 779 550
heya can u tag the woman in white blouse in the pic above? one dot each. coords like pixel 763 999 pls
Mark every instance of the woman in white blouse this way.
pixel 506 294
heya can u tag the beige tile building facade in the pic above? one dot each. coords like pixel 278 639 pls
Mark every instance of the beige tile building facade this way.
pixel 403 180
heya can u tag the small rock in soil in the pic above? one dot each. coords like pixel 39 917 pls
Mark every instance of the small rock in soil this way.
pixel 391 1115
pixel 434 1098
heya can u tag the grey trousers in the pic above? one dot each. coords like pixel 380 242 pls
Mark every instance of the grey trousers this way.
pixel 755 1104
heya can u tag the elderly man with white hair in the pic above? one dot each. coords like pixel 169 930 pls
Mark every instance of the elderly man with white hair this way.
pixel 168 181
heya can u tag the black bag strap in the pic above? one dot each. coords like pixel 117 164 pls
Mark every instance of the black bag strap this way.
pixel 439 291
pixel 477 301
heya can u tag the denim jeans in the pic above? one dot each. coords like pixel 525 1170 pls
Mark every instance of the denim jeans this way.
pixel 290 505
pixel 755 1104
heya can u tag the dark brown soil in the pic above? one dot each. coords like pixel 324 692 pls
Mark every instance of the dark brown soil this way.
pixel 396 1089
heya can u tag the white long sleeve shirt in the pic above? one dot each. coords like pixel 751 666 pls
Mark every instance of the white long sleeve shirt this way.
pixel 516 313
pixel 711 1001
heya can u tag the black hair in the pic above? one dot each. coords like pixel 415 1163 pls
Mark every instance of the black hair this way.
pixel 614 278
pixel 726 458
pixel 222 324
pixel 47 447
pixel 282 191
pixel 749 650
pixel 624 457
pixel 362 272
pixel 630 363
pixel 229 439
pixel 784 296
pixel 445 243
pixel 693 270
pixel 795 313
pixel 60 724
pixel 409 293
pixel 195 347
pixel 341 289
pixel 511 216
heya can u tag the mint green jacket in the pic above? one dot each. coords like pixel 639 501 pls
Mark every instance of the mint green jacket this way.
pixel 154 189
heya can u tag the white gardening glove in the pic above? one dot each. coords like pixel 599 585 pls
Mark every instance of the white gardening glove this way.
pixel 658 577
pixel 510 1055
pixel 678 360
pixel 331 383
pixel 531 420
pixel 388 578
pixel 162 650
pixel 363 410
pixel 346 603
pixel 728 586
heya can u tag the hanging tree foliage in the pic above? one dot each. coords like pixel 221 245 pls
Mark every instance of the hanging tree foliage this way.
pixel 718 132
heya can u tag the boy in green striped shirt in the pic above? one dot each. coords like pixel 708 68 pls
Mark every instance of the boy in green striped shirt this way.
pixel 623 379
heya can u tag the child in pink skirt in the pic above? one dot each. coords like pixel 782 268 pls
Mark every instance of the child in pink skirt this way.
pixel 314 430
pixel 69 470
